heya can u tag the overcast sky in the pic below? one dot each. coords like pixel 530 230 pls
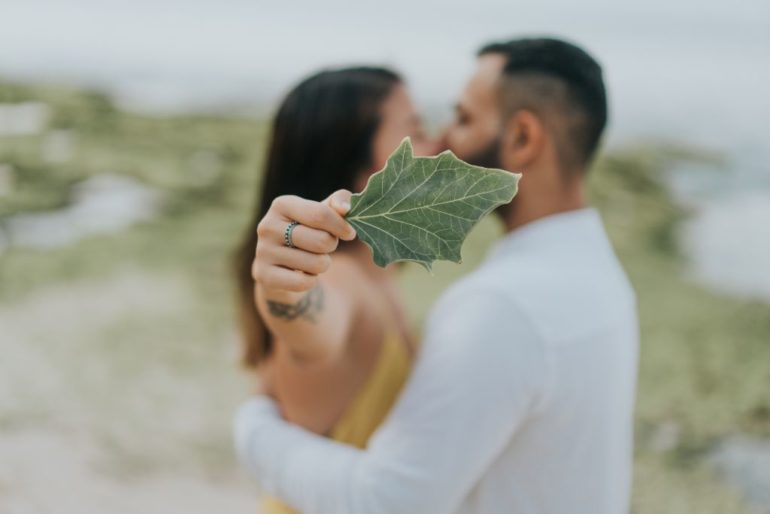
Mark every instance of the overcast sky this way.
pixel 684 68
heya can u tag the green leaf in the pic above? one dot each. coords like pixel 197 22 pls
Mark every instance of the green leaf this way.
pixel 421 208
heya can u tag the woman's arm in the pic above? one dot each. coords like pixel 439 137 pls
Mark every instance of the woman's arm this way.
pixel 483 371
pixel 298 296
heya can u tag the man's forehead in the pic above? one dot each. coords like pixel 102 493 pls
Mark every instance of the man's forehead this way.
pixel 489 67
pixel 481 88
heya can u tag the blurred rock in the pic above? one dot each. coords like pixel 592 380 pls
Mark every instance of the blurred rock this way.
pixel 745 463
pixel 101 204
pixel 729 241
pixel 23 119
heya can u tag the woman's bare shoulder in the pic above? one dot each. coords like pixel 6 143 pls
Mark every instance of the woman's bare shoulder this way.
pixel 346 271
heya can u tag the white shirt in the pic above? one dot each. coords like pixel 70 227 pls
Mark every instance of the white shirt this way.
pixel 521 399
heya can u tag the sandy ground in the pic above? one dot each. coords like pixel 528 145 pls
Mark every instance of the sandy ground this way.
pixel 86 426
pixel 45 472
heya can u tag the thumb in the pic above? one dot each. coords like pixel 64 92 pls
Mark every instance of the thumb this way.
pixel 340 201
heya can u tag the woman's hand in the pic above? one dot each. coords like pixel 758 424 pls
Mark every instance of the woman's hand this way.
pixel 311 322
pixel 282 272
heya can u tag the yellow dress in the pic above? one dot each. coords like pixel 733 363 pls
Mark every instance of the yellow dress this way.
pixel 369 407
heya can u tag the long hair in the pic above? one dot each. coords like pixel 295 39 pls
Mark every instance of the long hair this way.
pixel 321 140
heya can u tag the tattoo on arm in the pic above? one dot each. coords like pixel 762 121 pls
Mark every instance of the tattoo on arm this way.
pixel 307 308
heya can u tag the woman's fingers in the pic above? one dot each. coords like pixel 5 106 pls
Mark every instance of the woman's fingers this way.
pixel 312 240
pixel 294 258
pixel 282 279
pixel 340 201
pixel 303 237
pixel 320 226
pixel 316 215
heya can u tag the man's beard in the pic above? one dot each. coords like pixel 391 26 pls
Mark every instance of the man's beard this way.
pixel 489 157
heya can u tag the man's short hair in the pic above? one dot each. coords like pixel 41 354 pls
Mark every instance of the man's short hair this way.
pixel 560 82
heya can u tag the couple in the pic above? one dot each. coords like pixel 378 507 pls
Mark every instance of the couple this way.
pixel 521 395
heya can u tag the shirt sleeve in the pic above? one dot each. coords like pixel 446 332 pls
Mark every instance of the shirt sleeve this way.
pixel 481 372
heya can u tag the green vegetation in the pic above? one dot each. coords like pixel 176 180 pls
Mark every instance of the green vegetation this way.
pixel 404 215
pixel 703 375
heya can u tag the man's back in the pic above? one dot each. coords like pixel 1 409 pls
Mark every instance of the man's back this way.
pixel 573 451
pixel 520 401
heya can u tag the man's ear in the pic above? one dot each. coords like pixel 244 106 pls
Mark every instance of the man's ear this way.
pixel 522 141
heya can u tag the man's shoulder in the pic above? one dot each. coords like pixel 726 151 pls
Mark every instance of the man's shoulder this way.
pixel 555 296
pixel 476 282
pixel 508 278
pixel 478 286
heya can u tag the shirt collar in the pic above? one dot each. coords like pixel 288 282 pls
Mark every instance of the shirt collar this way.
pixel 552 228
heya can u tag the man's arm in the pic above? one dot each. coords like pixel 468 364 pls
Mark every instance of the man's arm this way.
pixel 482 370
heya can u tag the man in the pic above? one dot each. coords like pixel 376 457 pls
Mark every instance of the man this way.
pixel 521 400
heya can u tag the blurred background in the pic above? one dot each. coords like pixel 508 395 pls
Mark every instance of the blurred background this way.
pixel 131 135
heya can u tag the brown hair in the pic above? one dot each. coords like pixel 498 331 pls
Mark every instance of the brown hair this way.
pixel 321 140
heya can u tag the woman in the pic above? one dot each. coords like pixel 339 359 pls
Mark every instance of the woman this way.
pixel 325 332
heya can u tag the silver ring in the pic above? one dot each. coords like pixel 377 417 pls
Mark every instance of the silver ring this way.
pixel 287 234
